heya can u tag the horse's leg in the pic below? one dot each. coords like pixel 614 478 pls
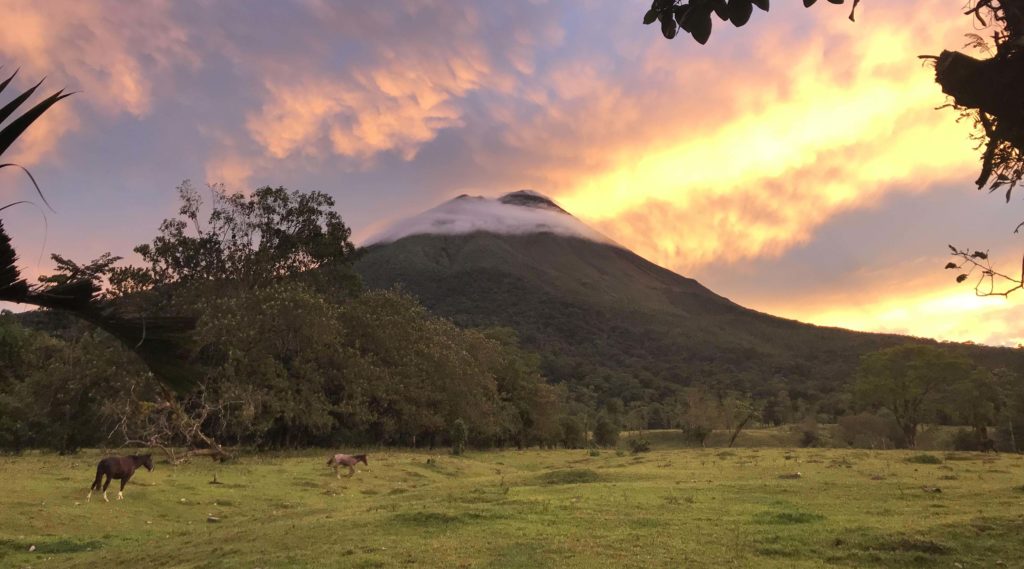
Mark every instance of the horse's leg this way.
pixel 351 470
pixel 337 471
pixel 95 484
pixel 105 485
pixel 120 493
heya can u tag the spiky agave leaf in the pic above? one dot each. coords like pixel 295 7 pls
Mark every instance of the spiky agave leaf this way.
pixel 163 343
pixel 16 127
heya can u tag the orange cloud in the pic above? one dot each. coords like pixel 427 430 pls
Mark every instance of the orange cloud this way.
pixel 233 170
pixel 40 140
pixel 111 50
pixel 395 100
pixel 848 118
pixel 916 298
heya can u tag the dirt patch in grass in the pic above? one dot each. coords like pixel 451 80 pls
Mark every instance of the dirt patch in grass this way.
pixel 924 458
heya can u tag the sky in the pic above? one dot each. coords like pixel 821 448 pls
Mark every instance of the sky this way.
pixel 798 165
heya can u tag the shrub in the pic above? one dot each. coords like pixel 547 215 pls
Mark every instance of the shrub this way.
pixel 809 434
pixel 810 438
pixel 1006 440
pixel 866 430
pixel 637 446
pixel 967 439
pixel 570 476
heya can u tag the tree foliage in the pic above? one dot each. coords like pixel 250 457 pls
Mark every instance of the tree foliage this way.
pixel 249 241
pixel 289 351
pixel 911 382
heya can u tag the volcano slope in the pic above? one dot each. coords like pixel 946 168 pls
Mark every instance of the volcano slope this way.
pixel 603 317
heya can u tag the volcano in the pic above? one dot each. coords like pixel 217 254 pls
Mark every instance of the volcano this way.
pixel 602 317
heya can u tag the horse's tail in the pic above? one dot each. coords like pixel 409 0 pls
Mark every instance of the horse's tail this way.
pixel 99 477
pixel 330 460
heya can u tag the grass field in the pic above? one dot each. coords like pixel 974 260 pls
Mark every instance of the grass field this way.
pixel 665 508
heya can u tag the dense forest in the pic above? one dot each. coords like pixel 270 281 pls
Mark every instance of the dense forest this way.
pixel 291 348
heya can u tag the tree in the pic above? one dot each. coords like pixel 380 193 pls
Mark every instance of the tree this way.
pixel 53 392
pixel 1010 410
pixel 974 400
pixel 249 241
pixel 606 432
pixel 701 413
pixel 459 435
pixel 910 381
pixel 738 411
pixel 574 435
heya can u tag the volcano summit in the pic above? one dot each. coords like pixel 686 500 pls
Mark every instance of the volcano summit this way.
pixel 516 213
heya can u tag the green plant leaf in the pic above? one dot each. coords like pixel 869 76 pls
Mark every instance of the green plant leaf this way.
pixel 11 132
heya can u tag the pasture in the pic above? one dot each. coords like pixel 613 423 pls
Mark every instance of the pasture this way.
pixel 740 507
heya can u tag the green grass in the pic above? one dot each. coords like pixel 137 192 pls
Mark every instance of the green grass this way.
pixel 665 508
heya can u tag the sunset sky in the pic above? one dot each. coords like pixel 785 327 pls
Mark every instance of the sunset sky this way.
pixel 797 165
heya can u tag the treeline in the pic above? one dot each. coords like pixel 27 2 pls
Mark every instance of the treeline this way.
pixel 289 351
pixel 893 395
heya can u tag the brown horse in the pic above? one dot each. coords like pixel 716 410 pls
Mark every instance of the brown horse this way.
pixel 339 460
pixel 120 467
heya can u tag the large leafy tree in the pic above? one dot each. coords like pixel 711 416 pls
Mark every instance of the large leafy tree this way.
pixel 910 381
pixel 251 240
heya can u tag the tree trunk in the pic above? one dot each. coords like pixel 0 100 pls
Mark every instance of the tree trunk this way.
pixel 1013 438
pixel 910 432
pixel 739 428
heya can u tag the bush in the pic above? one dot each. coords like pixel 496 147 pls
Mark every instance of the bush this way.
pixel 570 476
pixel 966 439
pixel 1007 441
pixel 810 438
pixel 637 446
pixel 866 430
